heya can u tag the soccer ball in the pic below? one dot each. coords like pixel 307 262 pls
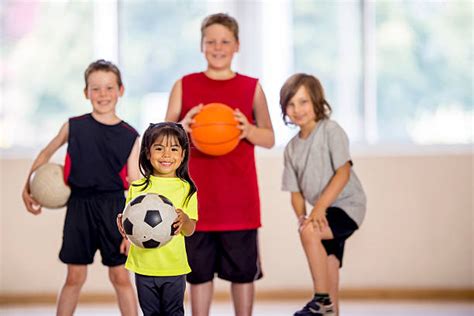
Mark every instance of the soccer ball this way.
pixel 47 186
pixel 148 220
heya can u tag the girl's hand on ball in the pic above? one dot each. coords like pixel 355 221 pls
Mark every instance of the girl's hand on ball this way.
pixel 188 118
pixel 244 124
pixel 120 227
pixel 125 246
pixel 178 223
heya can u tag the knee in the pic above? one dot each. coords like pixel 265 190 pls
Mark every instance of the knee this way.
pixel 119 276
pixel 310 235
pixel 76 279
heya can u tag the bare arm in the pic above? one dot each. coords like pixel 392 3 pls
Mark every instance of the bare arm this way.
pixel 299 206
pixel 175 105
pixel 42 158
pixel 184 224
pixel 330 194
pixel 260 134
pixel 132 162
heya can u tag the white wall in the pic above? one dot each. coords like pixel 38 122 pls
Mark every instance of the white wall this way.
pixel 418 232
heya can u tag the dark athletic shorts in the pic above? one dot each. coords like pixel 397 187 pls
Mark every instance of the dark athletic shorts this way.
pixel 233 255
pixel 90 224
pixel 161 295
pixel 342 227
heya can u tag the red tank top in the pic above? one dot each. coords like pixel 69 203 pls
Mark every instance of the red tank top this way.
pixel 227 185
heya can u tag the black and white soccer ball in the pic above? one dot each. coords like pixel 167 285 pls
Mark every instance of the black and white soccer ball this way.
pixel 148 220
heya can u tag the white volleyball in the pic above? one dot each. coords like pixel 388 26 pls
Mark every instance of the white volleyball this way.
pixel 47 186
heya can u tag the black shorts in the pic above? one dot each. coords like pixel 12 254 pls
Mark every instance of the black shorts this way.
pixel 161 295
pixel 233 255
pixel 90 224
pixel 342 227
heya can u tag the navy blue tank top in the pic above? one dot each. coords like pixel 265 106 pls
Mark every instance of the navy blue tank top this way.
pixel 97 154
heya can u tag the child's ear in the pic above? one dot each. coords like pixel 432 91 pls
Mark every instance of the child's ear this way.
pixel 237 48
pixel 85 94
pixel 121 90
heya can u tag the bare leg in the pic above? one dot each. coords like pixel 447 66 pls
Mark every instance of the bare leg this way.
pixel 127 301
pixel 333 272
pixel 243 296
pixel 69 295
pixel 316 256
pixel 201 298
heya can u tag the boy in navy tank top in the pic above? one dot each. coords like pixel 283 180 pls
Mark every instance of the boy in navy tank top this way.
pixel 101 160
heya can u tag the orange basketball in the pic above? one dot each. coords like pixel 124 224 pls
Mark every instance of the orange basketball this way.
pixel 215 131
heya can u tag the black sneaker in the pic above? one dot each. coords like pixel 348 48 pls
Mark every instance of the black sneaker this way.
pixel 315 308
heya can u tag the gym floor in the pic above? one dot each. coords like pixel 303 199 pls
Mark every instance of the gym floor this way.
pixel 267 308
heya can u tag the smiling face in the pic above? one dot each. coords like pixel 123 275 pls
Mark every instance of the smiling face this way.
pixel 300 109
pixel 166 155
pixel 103 91
pixel 219 46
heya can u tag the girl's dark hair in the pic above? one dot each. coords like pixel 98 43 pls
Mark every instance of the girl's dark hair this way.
pixel 315 90
pixel 103 65
pixel 152 133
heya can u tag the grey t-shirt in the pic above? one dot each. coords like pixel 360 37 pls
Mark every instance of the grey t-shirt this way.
pixel 311 163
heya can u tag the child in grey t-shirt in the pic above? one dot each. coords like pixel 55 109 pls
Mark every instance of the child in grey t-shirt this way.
pixel 318 170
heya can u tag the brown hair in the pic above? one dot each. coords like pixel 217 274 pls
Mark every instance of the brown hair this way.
pixel 315 90
pixel 222 19
pixel 103 65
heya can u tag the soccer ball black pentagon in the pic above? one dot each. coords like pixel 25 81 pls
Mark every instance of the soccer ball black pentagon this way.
pixel 148 220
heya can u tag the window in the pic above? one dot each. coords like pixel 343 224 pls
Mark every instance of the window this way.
pixel 45 47
pixel 413 56
pixel 328 44
pixel 424 71
pixel 395 72
pixel 159 43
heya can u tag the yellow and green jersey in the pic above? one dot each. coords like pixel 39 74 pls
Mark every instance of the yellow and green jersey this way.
pixel 171 259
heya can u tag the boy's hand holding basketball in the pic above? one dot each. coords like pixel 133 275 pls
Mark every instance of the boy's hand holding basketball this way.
pixel 244 124
pixel 188 118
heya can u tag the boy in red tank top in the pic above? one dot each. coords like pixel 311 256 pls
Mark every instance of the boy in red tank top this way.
pixel 225 242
